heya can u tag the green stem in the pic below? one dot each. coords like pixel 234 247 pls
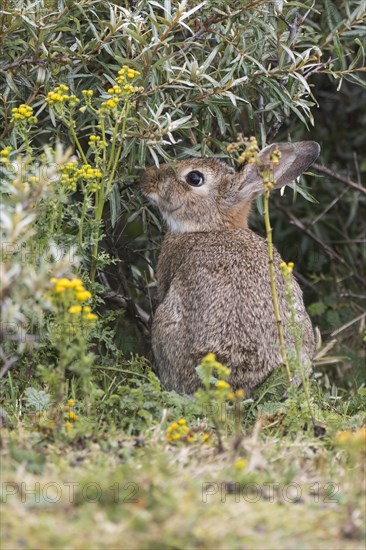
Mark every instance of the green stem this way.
pixel 70 125
pixel 114 137
pixel 26 142
pixel 102 127
pixel 123 130
pixel 99 205
pixel 273 284
pixel 298 345
pixel 82 219
pixel 104 191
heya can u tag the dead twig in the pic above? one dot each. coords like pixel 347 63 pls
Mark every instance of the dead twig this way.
pixel 327 249
pixel 8 363
pixel 339 177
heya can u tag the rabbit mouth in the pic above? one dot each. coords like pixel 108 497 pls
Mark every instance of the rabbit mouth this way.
pixel 161 203
pixel 175 209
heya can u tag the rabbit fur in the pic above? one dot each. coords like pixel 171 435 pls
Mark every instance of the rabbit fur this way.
pixel 214 292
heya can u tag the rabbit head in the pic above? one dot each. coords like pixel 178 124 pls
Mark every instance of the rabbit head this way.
pixel 206 194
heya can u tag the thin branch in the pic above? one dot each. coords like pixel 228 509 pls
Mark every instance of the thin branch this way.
pixel 8 363
pixel 339 177
pixel 327 249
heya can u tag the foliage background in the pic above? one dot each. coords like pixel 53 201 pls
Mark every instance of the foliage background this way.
pixel 277 70
pixel 84 405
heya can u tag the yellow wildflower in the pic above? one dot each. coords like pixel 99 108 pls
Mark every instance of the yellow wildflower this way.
pixel 74 309
pixel 65 282
pixel 88 94
pixel 71 402
pixel 83 296
pixel 4 155
pixel 5 152
pixel 91 317
pixel 222 385
pixel 23 112
pixel 75 283
pixel 240 464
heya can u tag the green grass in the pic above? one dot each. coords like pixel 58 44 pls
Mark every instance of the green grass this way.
pixel 267 490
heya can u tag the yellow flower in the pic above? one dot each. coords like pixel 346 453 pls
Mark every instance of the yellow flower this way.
pixel 129 89
pixel 240 464
pixel 71 402
pixel 286 268
pixel 111 103
pixel 86 309
pixel 74 309
pixel 75 283
pixel 91 317
pixel 210 357
pixel 83 296
pixel 239 393
pixel 72 415
pixel 5 152
pixel 182 421
pixel 68 425
pixel 221 384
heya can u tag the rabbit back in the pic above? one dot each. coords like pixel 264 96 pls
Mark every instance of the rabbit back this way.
pixel 214 297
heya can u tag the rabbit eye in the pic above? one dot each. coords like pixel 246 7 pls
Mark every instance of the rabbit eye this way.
pixel 195 178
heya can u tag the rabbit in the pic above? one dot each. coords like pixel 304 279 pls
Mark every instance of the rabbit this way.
pixel 214 292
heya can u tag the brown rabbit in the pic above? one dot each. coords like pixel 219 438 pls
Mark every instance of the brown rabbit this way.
pixel 213 283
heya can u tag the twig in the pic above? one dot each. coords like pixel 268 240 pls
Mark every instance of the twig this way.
pixel 347 325
pixel 339 177
pixel 327 249
pixel 8 363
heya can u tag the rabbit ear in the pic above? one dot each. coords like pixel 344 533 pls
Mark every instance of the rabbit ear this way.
pixel 295 159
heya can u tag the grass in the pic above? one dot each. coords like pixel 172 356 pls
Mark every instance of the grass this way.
pixel 268 490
